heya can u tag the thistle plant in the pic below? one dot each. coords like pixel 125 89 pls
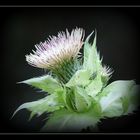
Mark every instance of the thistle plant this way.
pixel 78 91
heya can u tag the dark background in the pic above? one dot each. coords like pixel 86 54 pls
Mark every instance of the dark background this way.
pixel 118 40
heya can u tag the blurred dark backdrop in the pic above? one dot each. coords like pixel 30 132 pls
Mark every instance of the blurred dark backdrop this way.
pixel 118 40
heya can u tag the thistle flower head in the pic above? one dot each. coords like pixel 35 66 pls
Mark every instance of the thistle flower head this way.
pixel 106 71
pixel 55 50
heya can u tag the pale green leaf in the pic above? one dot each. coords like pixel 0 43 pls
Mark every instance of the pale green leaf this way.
pixel 67 121
pixel 48 104
pixel 87 48
pixel 94 87
pixel 92 61
pixel 82 100
pixel 46 83
pixel 113 97
pixel 115 109
pixel 131 101
pixel 80 78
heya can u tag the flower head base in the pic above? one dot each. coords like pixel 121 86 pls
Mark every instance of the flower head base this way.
pixel 55 50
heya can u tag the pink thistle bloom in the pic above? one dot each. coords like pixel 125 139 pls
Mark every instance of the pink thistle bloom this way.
pixel 55 50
